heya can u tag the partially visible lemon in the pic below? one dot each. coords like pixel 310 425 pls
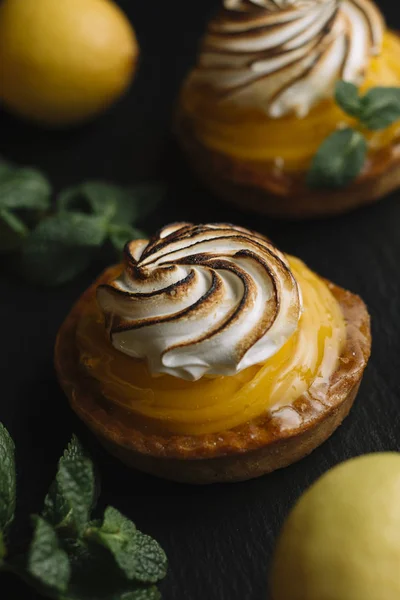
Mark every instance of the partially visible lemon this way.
pixel 342 539
pixel 63 61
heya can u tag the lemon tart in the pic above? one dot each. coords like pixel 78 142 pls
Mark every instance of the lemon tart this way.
pixel 209 355
pixel 260 102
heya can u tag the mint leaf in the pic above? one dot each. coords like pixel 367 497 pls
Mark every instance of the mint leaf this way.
pixel 380 107
pixel 77 484
pixel 7 479
pixel 12 231
pixel 24 189
pixel 137 555
pixel 348 98
pixel 121 234
pixel 58 508
pixel 47 562
pixel 93 197
pixel 151 561
pixel 72 495
pixel 339 160
pixel 121 205
pixel 61 247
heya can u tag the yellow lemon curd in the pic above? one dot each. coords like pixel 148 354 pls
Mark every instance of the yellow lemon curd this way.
pixel 292 141
pixel 213 404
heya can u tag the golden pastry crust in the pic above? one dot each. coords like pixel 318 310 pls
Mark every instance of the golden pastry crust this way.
pixel 280 437
pixel 255 186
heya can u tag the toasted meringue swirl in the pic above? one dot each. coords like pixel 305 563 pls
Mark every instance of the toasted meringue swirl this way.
pixel 284 56
pixel 201 300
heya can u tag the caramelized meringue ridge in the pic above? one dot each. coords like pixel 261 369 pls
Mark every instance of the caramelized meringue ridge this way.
pixel 201 300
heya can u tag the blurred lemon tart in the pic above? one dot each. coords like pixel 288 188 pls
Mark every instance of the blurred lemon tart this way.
pixel 209 355
pixel 261 100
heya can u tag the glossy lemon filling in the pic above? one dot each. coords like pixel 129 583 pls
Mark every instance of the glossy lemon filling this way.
pixel 210 405
pixel 288 142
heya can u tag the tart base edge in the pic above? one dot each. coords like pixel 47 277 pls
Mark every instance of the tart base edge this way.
pixel 239 467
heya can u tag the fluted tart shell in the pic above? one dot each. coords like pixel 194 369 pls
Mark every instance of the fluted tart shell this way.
pixel 262 188
pixel 276 439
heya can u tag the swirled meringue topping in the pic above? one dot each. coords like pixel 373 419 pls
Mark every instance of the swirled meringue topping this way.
pixel 284 56
pixel 199 300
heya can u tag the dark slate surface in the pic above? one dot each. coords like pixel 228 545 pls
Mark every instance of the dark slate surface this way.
pixel 219 539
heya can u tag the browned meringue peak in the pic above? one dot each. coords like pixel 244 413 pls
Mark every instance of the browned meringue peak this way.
pixel 201 299
pixel 283 56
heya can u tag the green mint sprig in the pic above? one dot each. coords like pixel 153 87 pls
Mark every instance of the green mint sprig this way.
pixel 71 556
pixel 377 109
pixel 341 157
pixel 55 245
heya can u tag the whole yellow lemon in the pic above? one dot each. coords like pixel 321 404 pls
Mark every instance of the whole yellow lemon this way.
pixel 342 539
pixel 63 61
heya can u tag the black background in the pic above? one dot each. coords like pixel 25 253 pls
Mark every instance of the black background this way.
pixel 219 539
